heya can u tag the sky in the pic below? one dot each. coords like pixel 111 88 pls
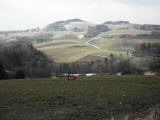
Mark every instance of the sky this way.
pixel 26 14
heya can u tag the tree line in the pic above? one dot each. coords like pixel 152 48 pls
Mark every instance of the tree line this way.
pixel 20 59
pixel 150 53
pixel 110 65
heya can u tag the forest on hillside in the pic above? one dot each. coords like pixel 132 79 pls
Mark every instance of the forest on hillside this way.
pixel 21 58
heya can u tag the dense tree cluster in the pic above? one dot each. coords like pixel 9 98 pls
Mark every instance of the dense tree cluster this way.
pixel 147 49
pixel 150 52
pixel 24 59
pixel 110 65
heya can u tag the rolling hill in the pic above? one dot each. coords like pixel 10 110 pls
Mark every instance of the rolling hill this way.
pixel 74 39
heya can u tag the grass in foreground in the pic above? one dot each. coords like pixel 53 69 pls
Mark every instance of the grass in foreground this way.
pixel 87 98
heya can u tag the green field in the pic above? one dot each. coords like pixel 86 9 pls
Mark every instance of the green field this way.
pixel 66 51
pixel 87 98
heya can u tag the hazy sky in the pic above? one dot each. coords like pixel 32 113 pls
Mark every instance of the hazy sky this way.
pixel 23 14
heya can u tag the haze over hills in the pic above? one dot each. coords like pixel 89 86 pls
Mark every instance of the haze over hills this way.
pixel 71 40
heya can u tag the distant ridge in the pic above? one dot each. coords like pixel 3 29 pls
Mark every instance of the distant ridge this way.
pixel 59 25
pixel 117 22
pixel 68 21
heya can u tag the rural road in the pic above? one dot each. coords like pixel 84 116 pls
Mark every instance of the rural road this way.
pixel 98 48
pixel 88 43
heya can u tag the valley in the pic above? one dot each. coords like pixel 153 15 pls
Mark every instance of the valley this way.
pixel 75 40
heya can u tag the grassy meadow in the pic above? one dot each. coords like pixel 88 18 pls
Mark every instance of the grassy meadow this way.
pixel 87 98
pixel 66 51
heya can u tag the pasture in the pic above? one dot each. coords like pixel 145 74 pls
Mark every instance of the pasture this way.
pixel 87 98
pixel 66 51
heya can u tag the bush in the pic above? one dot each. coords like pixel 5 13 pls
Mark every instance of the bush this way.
pixel 20 74
pixel 3 74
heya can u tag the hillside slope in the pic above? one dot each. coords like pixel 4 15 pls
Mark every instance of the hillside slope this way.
pixel 71 40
